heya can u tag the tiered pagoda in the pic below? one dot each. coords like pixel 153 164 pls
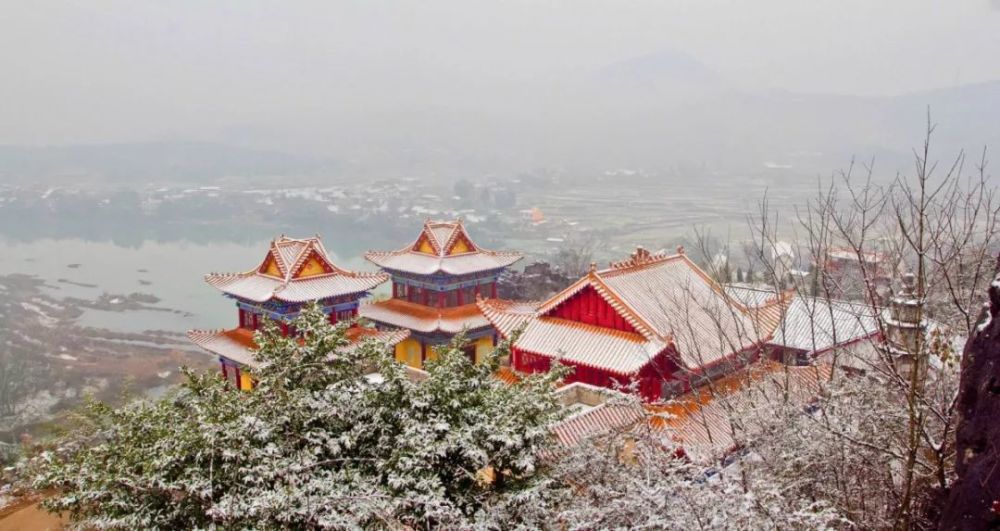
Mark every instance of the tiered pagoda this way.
pixel 655 319
pixel 435 283
pixel 295 272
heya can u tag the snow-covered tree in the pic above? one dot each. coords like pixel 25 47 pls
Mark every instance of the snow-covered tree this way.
pixel 317 444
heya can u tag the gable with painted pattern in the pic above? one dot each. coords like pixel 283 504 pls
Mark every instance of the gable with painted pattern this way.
pixel 313 266
pixel 270 267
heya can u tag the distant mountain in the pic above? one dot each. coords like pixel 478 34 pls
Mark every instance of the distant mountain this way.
pixel 667 110
pixel 659 68
pixel 968 116
pixel 660 112
pixel 143 161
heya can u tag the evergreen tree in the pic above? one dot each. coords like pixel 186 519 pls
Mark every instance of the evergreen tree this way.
pixel 317 444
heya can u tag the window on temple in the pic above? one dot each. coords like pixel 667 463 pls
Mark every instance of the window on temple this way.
pixel 451 298
pixel 249 320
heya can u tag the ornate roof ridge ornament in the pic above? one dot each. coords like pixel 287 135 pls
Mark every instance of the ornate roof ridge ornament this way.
pixel 641 256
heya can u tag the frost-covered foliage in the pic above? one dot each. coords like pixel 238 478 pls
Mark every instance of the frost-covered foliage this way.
pixel 834 464
pixel 315 445
pixel 318 445
pixel 638 484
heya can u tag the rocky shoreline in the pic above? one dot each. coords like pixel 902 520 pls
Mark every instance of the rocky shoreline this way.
pixel 49 362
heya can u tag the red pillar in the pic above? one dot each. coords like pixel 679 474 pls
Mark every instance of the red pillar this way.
pixel 493 289
pixel 460 297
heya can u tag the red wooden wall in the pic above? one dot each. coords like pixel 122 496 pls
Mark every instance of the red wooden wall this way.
pixel 587 306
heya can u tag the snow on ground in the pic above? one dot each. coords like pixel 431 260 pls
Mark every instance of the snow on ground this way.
pixel 45 319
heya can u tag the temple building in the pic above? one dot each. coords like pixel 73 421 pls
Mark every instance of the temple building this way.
pixel 436 281
pixel 294 272
pixel 655 320
pixel 811 330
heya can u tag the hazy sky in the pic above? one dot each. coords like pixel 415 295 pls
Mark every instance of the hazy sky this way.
pixel 97 71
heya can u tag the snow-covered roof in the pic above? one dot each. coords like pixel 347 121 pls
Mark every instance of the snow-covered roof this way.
pixel 595 346
pixel 442 246
pixel 666 300
pixel 813 324
pixel 701 421
pixel 238 344
pixel 596 421
pixel 425 319
pixel 295 270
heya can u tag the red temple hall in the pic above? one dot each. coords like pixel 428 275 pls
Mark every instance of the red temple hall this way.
pixel 654 320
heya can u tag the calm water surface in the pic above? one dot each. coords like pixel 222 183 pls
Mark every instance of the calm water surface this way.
pixel 171 271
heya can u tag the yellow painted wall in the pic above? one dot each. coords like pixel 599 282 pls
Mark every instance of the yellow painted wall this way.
pixel 484 346
pixel 246 383
pixel 408 352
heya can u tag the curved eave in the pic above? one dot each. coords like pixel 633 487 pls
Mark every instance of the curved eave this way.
pixel 614 351
pixel 259 288
pixel 424 319
pixel 237 344
pixel 415 263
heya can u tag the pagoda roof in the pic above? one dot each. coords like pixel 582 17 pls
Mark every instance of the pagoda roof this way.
pixel 425 319
pixel 295 270
pixel 668 300
pixel 443 247
pixel 238 344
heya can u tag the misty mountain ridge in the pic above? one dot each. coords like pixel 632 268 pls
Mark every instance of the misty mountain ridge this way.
pixel 660 70
pixel 659 111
